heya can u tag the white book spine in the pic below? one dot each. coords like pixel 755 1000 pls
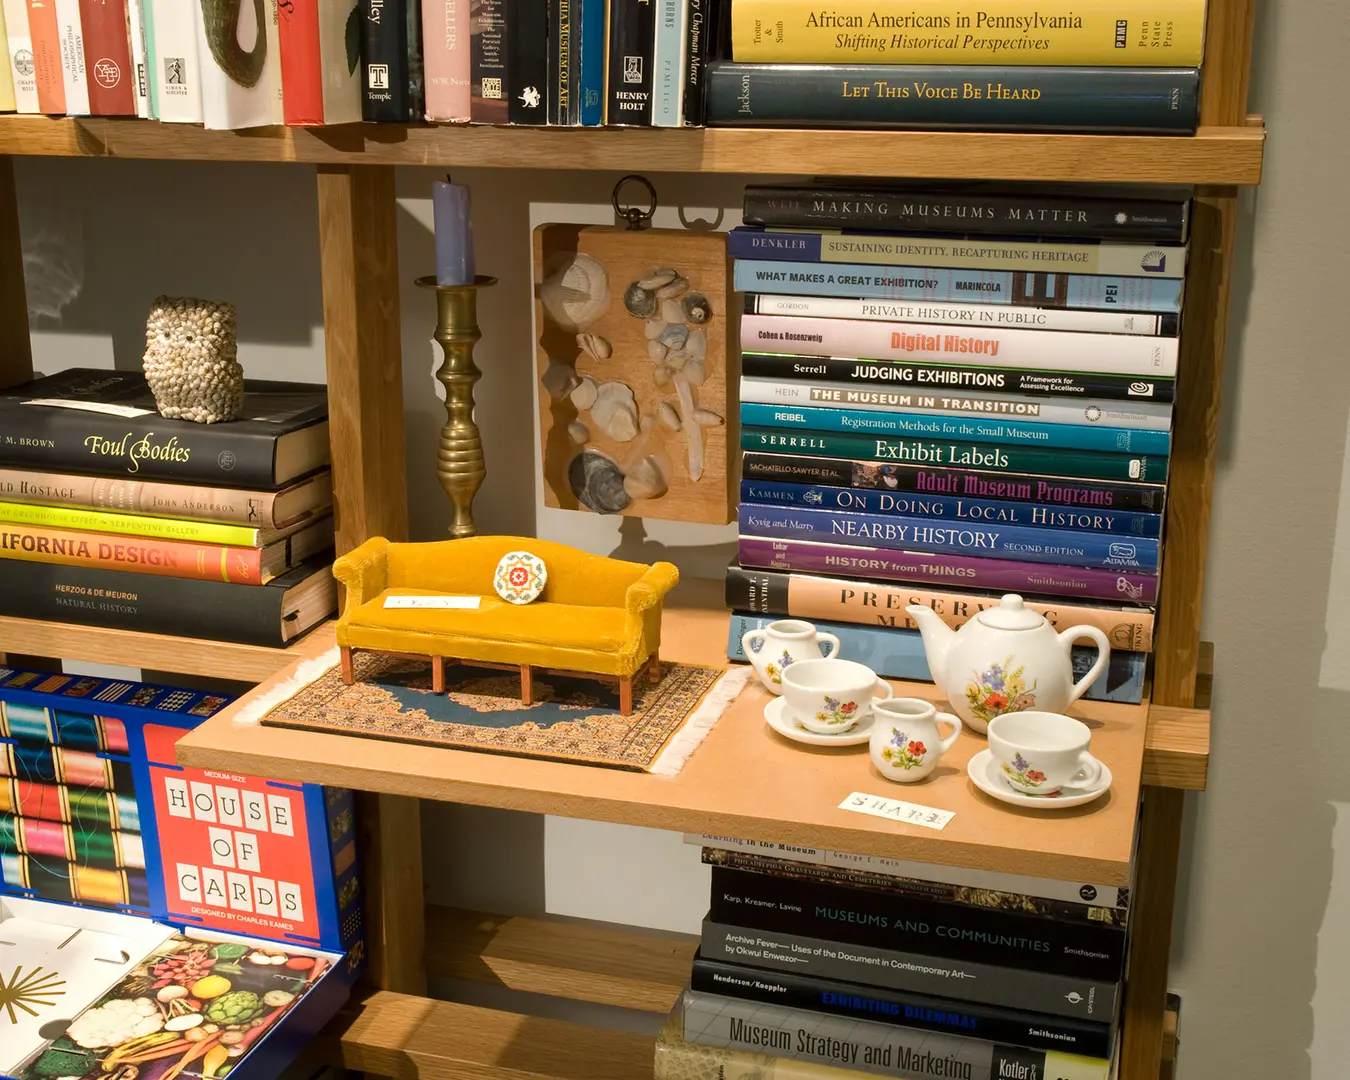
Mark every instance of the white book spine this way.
pixel 973 315
pixel 995 347
pixel 340 71
pixel 136 27
pixel 227 102
pixel 21 56
pixel 1148 416
pixel 171 54
pixel 72 57
pixel 1073 892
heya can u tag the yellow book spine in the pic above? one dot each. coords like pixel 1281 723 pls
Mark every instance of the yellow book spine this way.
pixel 7 103
pixel 65 517
pixel 1051 33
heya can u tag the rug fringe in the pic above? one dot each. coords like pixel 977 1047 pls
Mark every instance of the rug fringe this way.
pixel 688 739
pixel 305 674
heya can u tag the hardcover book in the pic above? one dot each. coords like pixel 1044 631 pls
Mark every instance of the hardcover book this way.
pixel 700 33
pixel 632 29
pixel 173 60
pixel 527 79
pixel 44 29
pixel 563 63
pixel 668 63
pixel 590 28
pixel 240 66
pixel 386 81
pixel 489 55
pixel 7 101
pixel 320 61
pixel 19 55
pixel 91 421
pixel 140 71
pixel 445 56
pixel 111 78
pixel 70 29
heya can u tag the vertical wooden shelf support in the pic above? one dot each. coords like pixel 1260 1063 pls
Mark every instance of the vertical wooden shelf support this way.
pixel 1177 650
pixel 16 348
pixel 359 257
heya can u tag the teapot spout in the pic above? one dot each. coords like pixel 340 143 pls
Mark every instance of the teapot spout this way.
pixel 937 640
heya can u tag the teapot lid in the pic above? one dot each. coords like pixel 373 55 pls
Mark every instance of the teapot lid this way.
pixel 1011 614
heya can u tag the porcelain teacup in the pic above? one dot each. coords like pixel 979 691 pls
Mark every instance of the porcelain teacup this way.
pixel 1041 752
pixel 830 696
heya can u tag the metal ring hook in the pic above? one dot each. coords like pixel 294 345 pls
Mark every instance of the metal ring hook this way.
pixel 636 218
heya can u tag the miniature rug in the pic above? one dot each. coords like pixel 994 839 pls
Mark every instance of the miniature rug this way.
pixel 574 718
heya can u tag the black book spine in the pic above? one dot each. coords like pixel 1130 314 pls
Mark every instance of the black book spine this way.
pixel 1159 101
pixel 527 73
pixel 837 472
pixel 761 592
pixel 939 377
pixel 561 75
pixel 967 212
pixel 858 1002
pixel 863 917
pixel 417 90
pixel 384 60
pixel 700 36
pixel 488 54
pixel 632 40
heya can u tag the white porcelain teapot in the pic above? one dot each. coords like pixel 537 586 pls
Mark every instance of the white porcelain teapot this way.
pixel 1006 659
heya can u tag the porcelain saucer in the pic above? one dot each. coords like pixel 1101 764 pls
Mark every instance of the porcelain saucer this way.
pixel 987 776
pixel 775 712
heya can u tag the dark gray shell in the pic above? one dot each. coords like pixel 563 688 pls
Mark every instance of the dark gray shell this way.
pixel 597 482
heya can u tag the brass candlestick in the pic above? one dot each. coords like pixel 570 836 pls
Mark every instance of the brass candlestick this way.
pixel 459 461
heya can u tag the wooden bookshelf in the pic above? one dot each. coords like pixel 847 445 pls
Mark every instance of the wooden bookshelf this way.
pixel 1215 155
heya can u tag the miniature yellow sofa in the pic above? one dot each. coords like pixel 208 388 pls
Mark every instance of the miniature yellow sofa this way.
pixel 596 615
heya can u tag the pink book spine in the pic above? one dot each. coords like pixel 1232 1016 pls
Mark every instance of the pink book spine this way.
pixel 445 47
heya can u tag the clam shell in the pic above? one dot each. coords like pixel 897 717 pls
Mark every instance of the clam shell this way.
pixel 653 327
pixel 596 345
pixel 559 380
pixel 645 480
pixel 697 344
pixel 655 279
pixel 674 336
pixel 696 308
pixel 694 373
pixel 656 351
pixel 597 482
pixel 578 432
pixel 662 376
pixel 641 303
pixel 672 289
pixel 671 310
pixel 668 415
pixel 615 411
pixel 584 394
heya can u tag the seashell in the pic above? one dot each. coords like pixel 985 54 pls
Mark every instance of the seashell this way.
pixel 597 482
pixel 708 418
pixel 645 480
pixel 575 291
pixel 672 289
pixel 584 394
pixel 653 327
pixel 668 415
pixel 656 351
pixel 696 308
pixel 615 411
pixel 694 373
pixel 697 344
pixel 674 336
pixel 559 380
pixel 656 278
pixel 640 302
pixel 676 359
pixel 596 345
pixel 646 423
pixel 662 375
pixel 671 310
pixel 578 432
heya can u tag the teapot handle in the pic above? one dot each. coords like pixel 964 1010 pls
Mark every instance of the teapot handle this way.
pixel 1072 634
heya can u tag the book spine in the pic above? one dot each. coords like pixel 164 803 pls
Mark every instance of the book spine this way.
pixel 938 283
pixel 1001 315
pixel 1115 354
pixel 175 79
pixel 668 63
pixel 593 24
pixel 1144 416
pixel 141 74
pixel 488 60
pixel 45 28
pixel 700 23
pixel 1102 217
pixel 838 1042
pixel 899 654
pixel 20 56
pixel 1043 461
pixel 340 60
pixel 417 87
pixel 107 58
pixel 73 71
pixel 561 73
pixel 239 89
pixel 1098 33
pixel 384 62
pixel 981 428
pixel 527 81
pixel 158 528
pixel 911 1011
pixel 986 574
pixel 446 50
pixel 1048 382
pixel 907 924
pixel 632 34
pixel 8 102
pixel 1124 101
pixel 1035 991
pixel 891 249
pixel 301 66
pixel 952 508
pixel 170 558
pixel 126 600
pixel 881 604
pixel 968 483
pixel 851 877
pixel 1113 896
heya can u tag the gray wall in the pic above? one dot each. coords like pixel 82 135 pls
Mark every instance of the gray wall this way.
pixel 1261 956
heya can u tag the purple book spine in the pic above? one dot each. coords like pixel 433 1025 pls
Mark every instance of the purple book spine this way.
pixel 995 575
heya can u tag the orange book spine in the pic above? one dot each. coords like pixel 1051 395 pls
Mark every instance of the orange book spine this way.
pixel 45 31
pixel 167 558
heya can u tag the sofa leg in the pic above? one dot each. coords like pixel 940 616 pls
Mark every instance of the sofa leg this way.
pixel 654 667
pixel 348 676
pixel 526 684
pixel 626 695
pixel 438 674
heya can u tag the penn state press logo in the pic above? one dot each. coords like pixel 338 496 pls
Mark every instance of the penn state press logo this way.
pixel 107 73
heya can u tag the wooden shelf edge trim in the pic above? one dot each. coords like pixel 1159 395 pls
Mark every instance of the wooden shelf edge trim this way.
pixel 1176 753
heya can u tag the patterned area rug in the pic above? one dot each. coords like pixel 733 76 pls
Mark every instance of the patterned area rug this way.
pixel 573 718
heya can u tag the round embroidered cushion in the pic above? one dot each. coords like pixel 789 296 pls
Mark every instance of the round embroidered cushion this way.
pixel 520 577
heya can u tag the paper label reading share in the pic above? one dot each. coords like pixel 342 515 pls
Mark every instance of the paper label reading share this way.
pixel 859 802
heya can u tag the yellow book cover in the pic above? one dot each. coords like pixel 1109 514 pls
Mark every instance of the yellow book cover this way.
pixel 67 517
pixel 7 103
pixel 1051 33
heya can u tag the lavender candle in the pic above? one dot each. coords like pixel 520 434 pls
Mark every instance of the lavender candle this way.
pixel 454 233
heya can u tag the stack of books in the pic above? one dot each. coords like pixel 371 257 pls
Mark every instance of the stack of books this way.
pixel 935 419
pixel 834 965
pixel 112 516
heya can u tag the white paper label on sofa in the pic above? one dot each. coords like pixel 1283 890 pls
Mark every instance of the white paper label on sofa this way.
pixel 468 602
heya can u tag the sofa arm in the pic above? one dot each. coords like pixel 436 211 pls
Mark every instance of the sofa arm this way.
pixel 645 593
pixel 364 572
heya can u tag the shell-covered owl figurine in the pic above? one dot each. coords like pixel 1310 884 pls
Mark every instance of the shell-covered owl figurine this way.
pixel 190 360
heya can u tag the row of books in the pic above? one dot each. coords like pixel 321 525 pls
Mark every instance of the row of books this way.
pixel 906 446
pixel 112 516
pixel 1098 65
pixel 832 965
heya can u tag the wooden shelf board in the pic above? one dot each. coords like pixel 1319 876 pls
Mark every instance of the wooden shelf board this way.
pixel 154 652
pixel 1216 155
